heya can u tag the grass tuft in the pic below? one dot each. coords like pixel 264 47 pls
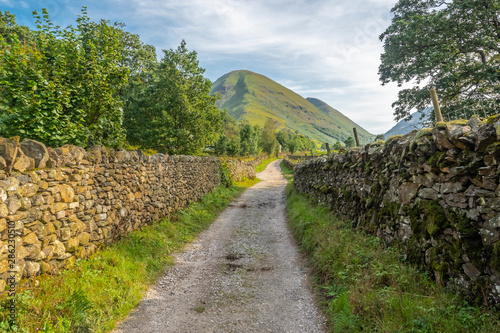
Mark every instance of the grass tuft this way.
pixel 286 171
pixel 366 286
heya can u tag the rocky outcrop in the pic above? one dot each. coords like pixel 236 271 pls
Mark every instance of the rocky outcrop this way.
pixel 435 191
pixel 59 205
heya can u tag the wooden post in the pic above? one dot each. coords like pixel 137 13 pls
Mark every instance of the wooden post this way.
pixel 328 149
pixel 312 154
pixel 356 136
pixel 435 103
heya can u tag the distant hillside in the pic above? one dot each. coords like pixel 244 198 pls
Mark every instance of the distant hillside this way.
pixel 254 97
pixel 407 125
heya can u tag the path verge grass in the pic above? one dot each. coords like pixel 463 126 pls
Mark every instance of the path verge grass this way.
pixel 366 286
pixel 264 163
pixel 286 171
pixel 99 291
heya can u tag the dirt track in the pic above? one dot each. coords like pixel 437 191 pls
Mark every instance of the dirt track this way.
pixel 243 274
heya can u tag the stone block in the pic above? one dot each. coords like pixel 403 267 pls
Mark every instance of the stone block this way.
pixel 31 269
pixel 37 151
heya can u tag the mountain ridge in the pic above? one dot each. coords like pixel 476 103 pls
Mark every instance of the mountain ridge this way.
pixel 254 97
pixel 410 123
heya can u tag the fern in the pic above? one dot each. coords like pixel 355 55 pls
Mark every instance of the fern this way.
pixel 80 306
pixel 343 320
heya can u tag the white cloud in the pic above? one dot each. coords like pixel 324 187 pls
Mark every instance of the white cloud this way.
pixel 320 48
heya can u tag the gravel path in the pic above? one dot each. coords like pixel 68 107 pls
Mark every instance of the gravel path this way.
pixel 243 274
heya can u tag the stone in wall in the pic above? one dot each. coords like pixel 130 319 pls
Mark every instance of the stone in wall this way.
pixel 436 191
pixel 242 169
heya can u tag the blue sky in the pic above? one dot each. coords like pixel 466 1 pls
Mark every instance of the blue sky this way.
pixel 325 49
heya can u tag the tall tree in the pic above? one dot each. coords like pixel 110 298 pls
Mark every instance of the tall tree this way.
pixel 179 116
pixel 62 88
pixel 453 46
pixel 250 139
pixel 9 27
pixel 269 142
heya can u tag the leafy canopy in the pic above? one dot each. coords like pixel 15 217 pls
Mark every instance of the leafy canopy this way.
pixel 178 116
pixel 453 46
pixel 59 87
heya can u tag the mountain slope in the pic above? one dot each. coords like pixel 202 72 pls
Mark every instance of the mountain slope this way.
pixel 254 97
pixel 407 125
pixel 343 123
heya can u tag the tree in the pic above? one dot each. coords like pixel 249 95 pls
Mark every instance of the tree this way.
pixel 178 116
pixel 269 143
pixel 250 139
pixel 379 137
pixel 9 26
pixel 62 88
pixel 453 46
pixel 337 145
pixel 349 142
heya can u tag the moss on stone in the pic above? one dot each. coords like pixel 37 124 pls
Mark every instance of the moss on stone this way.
pixel 495 258
pixel 440 125
pixel 437 159
pixel 461 122
pixel 391 139
pixel 377 143
pixel 422 133
pixel 491 119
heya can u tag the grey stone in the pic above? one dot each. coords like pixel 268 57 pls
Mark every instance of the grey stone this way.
pixel 37 151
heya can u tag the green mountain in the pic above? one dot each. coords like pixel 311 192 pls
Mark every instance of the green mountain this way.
pixel 254 97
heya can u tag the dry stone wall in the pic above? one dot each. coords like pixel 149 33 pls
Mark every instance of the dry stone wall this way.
pixel 289 163
pixel 435 191
pixel 59 205
pixel 242 169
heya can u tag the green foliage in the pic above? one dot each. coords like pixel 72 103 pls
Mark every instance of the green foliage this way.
pixel 366 286
pixel 225 173
pixel 450 45
pixel 9 27
pixel 61 87
pixel 349 142
pixel 269 143
pixel 238 139
pixel 243 139
pixel 250 140
pixel 287 172
pixel 179 116
pixel 293 142
pixel 337 146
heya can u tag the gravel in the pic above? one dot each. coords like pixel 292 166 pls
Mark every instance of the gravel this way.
pixel 243 274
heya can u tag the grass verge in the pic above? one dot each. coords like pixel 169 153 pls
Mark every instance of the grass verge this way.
pixel 99 291
pixel 286 171
pixel 262 166
pixel 366 286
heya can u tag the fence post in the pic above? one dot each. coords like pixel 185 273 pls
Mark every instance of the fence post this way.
pixel 328 149
pixel 435 103
pixel 356 136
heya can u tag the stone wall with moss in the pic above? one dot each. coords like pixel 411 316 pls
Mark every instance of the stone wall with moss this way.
pixel 435 192
pixel 240 169
pixel 58 205
pixel 289 163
